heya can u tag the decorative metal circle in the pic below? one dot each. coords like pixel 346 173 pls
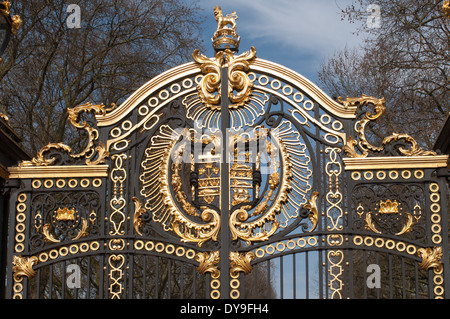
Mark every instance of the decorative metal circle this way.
pixel 152 102
pixel 138 244
pixel 381 175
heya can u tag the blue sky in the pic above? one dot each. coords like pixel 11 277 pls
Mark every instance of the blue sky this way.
pixel 299 34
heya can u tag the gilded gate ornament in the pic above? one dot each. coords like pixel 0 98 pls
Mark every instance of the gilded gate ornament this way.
pixel 208 263
pixel 93 154
pixel 241 262
pixel 209 87
pixel 360 127
pixel 431 258
pixel 225 36
pixel 23 266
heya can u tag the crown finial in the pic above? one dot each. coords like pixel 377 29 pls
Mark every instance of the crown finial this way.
pixel 225 36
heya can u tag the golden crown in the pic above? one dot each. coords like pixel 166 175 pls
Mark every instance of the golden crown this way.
pixel 65 214
pixel 225 36
pixel 388 207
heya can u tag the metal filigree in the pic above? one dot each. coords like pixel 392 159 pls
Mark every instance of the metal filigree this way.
pixel 267 224
pixel 65 223
pixel 23 266
pixel 431 258
pixel 184 226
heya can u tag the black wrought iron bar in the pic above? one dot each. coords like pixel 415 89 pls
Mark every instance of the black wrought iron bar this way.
pixel 224 264
pixel 307 274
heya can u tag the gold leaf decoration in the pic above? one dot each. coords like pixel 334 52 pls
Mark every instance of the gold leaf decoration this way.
pixel 240 262
pixel 23 266
pixel 431 258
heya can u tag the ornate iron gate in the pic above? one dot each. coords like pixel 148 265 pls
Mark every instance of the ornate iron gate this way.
pixel 229 177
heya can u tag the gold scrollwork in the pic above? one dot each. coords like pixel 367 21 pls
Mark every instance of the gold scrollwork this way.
pixel 23 266
pixel 93 155
pixel 209 87
pixel 118 201
pixel 380 108
pixel 431 258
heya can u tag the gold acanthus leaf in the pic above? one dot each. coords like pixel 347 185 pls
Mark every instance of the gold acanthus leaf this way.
pixel 431 258
pixel 241 262
pixel 208 263
pixel 23 266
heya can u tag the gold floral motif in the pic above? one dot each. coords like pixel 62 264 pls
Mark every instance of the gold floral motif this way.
pixel 23 266
pixel 349 148
pixel 241 262
pixel 369 223
pixel 431 258
pixel 415 149
pixel 380 108
pixel 208 263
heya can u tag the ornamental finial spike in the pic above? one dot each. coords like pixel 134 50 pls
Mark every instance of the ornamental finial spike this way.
pixel 225 36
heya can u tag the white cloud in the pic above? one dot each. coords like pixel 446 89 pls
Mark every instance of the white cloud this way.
pixel 309 26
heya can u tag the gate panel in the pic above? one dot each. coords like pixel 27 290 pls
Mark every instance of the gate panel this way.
pixel 230 177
